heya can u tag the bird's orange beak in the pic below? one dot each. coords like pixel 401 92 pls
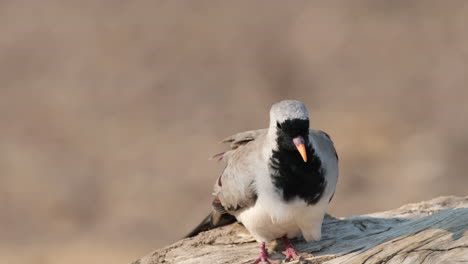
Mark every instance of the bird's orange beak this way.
pixel 299 143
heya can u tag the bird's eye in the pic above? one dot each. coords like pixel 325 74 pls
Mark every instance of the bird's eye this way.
pixel 278 125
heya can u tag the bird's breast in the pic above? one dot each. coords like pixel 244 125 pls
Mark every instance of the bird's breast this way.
pixel 293 178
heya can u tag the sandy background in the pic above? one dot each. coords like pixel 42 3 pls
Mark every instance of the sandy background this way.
pixel 109 110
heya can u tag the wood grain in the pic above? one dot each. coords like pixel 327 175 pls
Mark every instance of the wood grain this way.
pixel 434 231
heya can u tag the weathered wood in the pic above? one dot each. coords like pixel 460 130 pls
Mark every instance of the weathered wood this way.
pixel 434 231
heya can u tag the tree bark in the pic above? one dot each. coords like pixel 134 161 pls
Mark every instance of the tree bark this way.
pixel 433 231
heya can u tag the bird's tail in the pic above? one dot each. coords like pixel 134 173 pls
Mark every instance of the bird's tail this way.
pixel 213 220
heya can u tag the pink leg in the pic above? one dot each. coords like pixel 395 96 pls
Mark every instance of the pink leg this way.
pixel 289 252
pixel 263 255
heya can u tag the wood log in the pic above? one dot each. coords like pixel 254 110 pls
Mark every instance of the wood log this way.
pixel 434 231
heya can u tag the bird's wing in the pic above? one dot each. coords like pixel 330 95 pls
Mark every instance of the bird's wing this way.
pixel 327 152
pixel 323 143
pixel 237 140
pixel 235 187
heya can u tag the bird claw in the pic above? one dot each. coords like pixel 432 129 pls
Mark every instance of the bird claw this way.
pixel 264 258
pixel 291 254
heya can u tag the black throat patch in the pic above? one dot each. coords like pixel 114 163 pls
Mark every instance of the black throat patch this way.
pixel 290 174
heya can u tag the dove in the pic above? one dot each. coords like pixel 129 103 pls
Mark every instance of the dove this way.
pixel 277 182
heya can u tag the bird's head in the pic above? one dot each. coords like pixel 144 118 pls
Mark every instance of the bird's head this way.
pixel 290 120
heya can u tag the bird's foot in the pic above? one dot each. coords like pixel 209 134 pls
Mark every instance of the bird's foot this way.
pixel 264 258
pixel 291 254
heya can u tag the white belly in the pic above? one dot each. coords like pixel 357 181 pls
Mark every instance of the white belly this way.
pixel 266 221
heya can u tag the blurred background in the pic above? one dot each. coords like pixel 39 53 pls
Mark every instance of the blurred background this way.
pixel 110 109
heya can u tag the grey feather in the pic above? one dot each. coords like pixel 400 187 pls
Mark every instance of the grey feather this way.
pixel 237 190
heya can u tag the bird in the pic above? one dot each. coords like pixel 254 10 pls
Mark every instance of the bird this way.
pixel 277 182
